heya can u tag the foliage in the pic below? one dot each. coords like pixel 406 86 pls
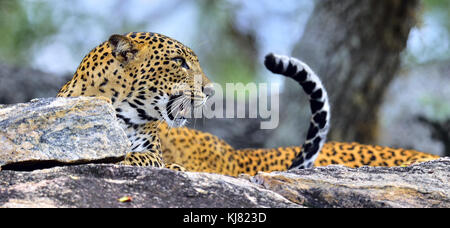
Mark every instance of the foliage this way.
pixel 436 108
pixel 439 6
pixel 432 37
pixel 19 33
pixel 29 25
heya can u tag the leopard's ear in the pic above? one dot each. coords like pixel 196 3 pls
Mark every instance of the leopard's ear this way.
pixel 123 48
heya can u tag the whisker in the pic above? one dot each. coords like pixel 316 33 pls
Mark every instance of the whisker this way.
pixel 181 102
pixel 177 103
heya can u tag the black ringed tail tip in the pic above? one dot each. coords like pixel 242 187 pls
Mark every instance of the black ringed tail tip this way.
pixel 318 98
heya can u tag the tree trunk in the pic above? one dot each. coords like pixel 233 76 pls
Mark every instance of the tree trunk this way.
pixel 355 47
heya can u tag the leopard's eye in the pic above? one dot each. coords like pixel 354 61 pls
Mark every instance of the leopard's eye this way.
pixel 182 62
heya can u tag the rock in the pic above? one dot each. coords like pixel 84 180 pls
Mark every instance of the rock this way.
pixel 46 132
pixel 422 185
pixel 103 185
pixel 97 185
pixel 50 138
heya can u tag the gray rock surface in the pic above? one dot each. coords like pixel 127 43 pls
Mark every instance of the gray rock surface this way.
pixel 49 138
pixel 422 185
pixel 60 130
pixel 103 185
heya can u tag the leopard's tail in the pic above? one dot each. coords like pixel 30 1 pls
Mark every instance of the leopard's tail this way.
pixel 318 98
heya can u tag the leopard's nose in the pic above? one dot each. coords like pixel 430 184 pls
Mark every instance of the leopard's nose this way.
pixel 208 90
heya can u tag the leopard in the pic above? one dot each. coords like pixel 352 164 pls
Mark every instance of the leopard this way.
pixel 216 156
pixel 154 81
pixel 149 79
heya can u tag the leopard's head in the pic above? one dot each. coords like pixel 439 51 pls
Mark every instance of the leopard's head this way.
pixel 147 76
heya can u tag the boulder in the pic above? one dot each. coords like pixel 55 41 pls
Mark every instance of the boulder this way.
pixel 46 145
pixel 421 185
pixel 97 185
pixel 46 132
pixel 109 185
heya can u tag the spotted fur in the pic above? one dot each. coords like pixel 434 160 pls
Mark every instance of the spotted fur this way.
pixel 203 152
pixel 153 81
pixel 150 79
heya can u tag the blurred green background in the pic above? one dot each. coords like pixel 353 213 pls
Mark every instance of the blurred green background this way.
pixel 54 35
pixel 38 32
